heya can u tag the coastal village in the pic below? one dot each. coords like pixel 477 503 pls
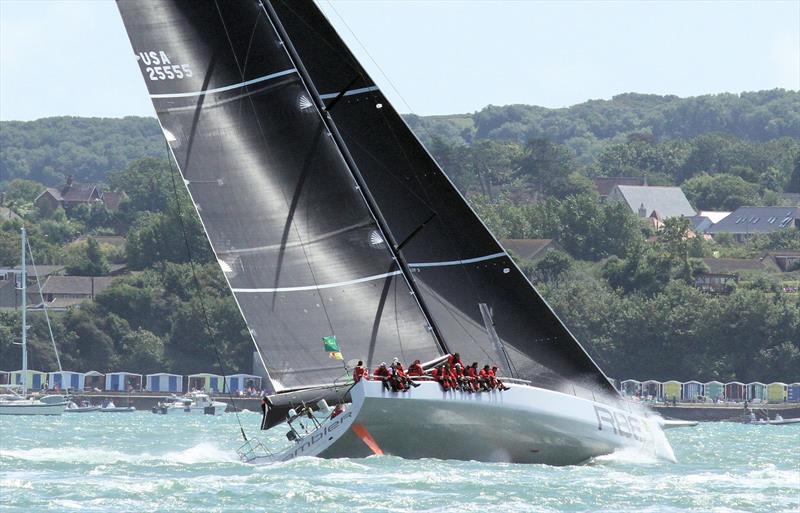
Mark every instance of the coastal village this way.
pixel 54 288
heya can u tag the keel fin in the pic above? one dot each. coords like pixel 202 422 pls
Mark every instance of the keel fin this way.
pixel 365 437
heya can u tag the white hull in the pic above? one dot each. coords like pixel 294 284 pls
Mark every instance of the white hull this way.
pixel 522 425
pixel 219 409
pixel 30 407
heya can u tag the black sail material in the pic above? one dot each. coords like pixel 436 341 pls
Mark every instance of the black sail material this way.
pixel 458 264
pixel 292 233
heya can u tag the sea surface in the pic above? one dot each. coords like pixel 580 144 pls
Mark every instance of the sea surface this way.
pixel 140 462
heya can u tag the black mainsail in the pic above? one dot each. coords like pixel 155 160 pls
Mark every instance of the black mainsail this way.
pixel 264 87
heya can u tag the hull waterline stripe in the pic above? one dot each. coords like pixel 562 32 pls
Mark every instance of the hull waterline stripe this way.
pixel 458 262
pixel 226 88
pixel 317 287
pixel 352 92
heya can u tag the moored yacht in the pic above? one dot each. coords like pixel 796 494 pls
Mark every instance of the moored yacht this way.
pixel 15 403
pixel 193 402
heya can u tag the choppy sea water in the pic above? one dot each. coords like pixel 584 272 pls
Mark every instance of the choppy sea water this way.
pixel 104 462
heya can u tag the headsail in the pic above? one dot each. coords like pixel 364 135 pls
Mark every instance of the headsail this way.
pixel 458 264
pixel 298 246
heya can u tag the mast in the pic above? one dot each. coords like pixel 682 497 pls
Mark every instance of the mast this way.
pixel 383 225
pixel 23 288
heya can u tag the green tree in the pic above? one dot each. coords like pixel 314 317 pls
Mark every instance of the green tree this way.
pixel 88 260
pixel 721 192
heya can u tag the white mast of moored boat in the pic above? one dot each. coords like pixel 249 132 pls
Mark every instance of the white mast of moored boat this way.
pixel 23 288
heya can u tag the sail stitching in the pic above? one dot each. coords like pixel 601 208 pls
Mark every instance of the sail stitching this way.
pixel 317 287
pixel 226 88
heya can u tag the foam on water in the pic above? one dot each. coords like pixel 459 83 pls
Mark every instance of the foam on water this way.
pixel 101 463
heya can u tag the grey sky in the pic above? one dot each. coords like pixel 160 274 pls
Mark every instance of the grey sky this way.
pixel 72 57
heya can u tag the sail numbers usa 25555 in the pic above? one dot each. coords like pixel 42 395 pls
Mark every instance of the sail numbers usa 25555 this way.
pixel 158 66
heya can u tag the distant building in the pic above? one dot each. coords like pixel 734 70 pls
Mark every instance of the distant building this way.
pixel 784 259
pixel 605 184
pixel 6 214
pixel 714 216
pixel 530 249
pixel 745 222
pixel 723 273
pixel 10 297
pixel 73 193
pixel 62 292
pixel 666 202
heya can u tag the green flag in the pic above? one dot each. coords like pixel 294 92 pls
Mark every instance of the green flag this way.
pixel 330 345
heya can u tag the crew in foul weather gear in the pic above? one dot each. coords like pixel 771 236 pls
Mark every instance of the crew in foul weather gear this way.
pixel 382 374
pixel 360 372
pixel 415 369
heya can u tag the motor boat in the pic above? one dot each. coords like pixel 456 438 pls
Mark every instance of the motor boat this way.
pixel 82 407
pixel 193 402
pixel 108 406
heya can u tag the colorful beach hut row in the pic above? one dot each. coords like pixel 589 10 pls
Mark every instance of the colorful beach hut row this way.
pixel 756 391
pixel 128 381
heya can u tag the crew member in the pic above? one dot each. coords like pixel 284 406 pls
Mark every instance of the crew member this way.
pixel 360 372
pixel 499 383
pixel 382 374
pixel 415 369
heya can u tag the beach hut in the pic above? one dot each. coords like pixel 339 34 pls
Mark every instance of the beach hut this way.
pixel 714 390
pixel 671 390
pixel 241 382
pixel 164 382
pixel 735 391
pixel 631 387
pixel 35 378
pixel 123 381
pixel 757 392
pixel 793 393
pixel 67 380
pixel 652 388
pixel 691 390
pixel 205 381
pixel 94 380
pixel 776 392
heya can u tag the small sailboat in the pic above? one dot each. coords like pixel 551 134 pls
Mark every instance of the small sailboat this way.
pixel 332 223
pixel 193 402
pixel 17 403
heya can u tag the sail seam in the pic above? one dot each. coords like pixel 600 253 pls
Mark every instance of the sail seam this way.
pixel 457 262
pixel 317 287
pixel 226 88
pixel 352 92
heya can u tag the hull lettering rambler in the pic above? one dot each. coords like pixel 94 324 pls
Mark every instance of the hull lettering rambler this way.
pixel 365 251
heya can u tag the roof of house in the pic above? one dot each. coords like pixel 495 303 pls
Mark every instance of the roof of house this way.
pixel 528 248
pixel 666 201
pixel 41 270
pixel 733 265
pixel 605 184
pixel 715 216
pixel 79 285
pixel 73 193
pixel 701 223
pixel 6 214
pixel 112 200
pixel 746 220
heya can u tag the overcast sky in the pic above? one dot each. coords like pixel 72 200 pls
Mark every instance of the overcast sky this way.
pixel 72 57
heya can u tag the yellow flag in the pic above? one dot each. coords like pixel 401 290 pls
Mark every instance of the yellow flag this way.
pixel 335 355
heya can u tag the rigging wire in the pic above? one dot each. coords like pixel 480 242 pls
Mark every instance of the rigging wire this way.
pixel 44 306
pixel 206 320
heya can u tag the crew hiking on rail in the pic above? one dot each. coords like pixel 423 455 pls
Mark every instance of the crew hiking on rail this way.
pixel 451 375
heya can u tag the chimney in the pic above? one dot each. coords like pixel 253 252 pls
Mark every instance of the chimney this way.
pixel 642 211
pixel 69 181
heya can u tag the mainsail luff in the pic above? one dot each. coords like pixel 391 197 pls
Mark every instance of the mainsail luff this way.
pixel 458 264
pixel 386 233
pixel 292 234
